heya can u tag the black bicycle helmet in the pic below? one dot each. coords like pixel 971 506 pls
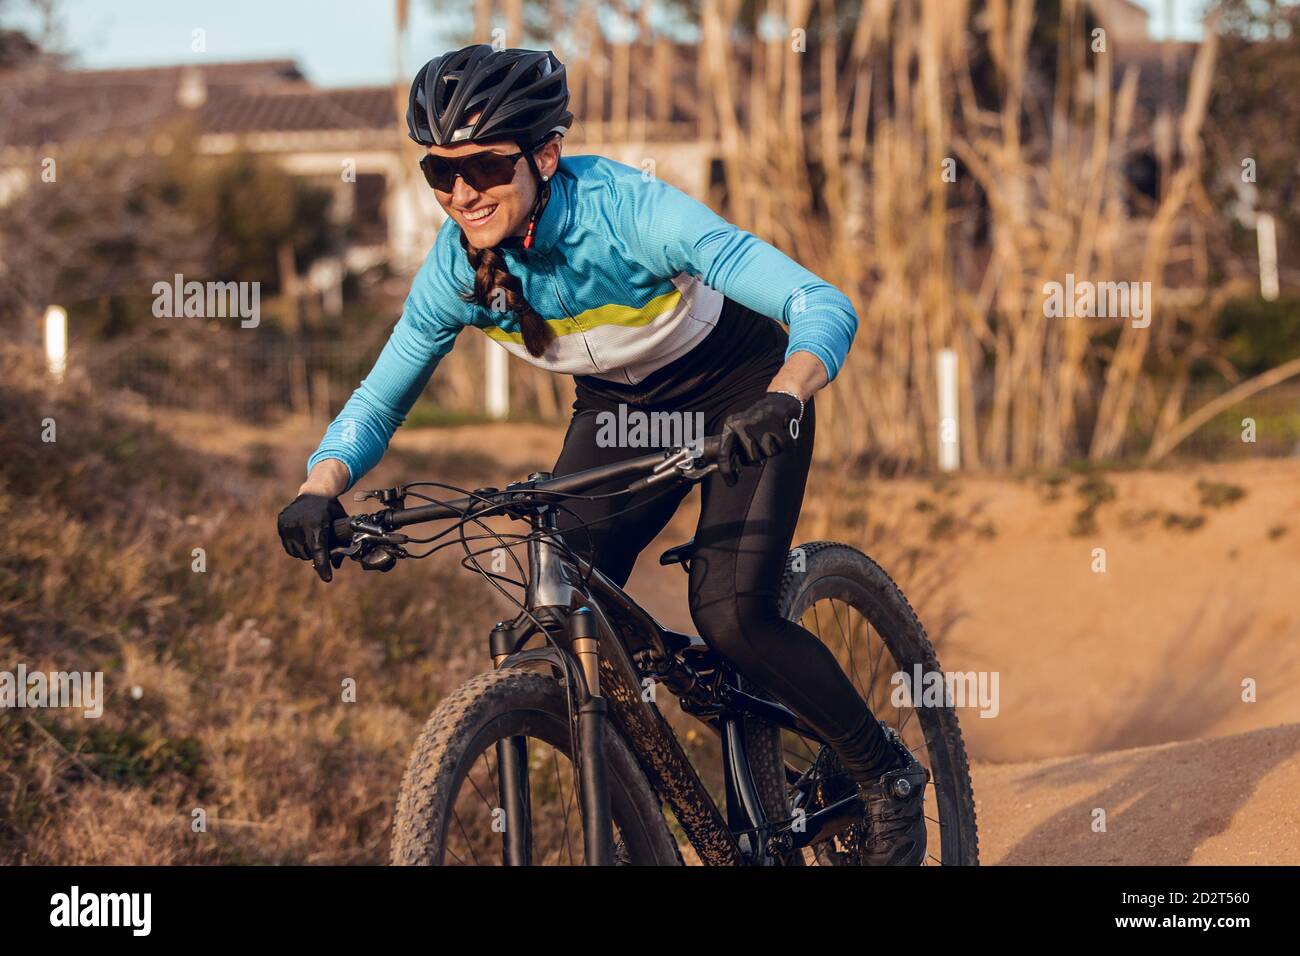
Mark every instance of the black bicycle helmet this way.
pixel 520 95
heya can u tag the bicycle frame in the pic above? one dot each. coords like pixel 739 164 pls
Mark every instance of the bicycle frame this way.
pixel 615 649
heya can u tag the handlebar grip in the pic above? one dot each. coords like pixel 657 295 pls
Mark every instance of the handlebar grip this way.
pixel 342 529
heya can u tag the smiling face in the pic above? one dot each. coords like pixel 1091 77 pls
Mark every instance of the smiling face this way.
pixel 489 216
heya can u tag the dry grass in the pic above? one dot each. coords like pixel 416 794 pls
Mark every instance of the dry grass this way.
pixel 239 668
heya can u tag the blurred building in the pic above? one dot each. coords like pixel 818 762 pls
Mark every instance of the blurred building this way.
pixel 1123 18
pixel 349 141
pixel 345 140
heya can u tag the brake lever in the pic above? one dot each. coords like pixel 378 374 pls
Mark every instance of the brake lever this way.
pixel 362 542
pixel 695 473
pixel 682 465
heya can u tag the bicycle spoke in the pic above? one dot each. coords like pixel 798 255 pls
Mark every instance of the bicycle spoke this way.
pixel 803 743
pixel 848 644
pixel 866 642
pixel 559 787
pixel 470 843
pixel 874 669
pixel 869 688
pixel 486 802
pixel 459 861
pixel 801 761
pixel 573 796
pixel 903 723
pixel 817 624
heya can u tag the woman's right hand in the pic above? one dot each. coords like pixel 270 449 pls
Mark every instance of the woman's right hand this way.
pixel 306 531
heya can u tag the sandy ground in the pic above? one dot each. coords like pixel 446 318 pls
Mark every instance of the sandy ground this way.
pixel 1218 801
pixel 1119 691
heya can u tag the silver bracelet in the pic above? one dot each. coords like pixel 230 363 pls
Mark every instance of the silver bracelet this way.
pixel 781 391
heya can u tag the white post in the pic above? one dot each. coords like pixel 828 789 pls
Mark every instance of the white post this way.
pixel 949 445
pixel 56 341
pixel 498 380
pixel 1266 235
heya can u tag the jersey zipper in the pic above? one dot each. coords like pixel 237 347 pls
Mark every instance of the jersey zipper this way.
pixel 555 281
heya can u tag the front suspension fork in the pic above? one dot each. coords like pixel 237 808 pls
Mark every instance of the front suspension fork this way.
pixel 589 758
pixel 512 782
pixel 512 775
pixel 593 720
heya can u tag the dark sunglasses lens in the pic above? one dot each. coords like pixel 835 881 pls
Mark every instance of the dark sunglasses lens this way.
pixel 485 170
pixel 480 171
pixel 438 173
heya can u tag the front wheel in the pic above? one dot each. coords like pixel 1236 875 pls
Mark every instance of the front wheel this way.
pixel 846 599
pixel 448 811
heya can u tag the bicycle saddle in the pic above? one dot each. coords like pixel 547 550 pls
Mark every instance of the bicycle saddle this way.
pixel 678 555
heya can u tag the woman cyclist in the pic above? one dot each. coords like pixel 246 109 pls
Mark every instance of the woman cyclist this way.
pixel 584 266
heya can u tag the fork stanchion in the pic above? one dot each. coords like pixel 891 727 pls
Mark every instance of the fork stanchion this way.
pixel 597 828
pixel 512 772
pixel 512 766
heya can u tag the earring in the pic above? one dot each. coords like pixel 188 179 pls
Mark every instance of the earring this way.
pixel 545 178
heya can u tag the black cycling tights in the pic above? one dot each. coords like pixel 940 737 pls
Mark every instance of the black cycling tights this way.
pixel 741 542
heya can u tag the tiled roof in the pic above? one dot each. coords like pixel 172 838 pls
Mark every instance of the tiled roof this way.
pixel 306 109
pixel 232 73
pixel 256 96
pixel 58 107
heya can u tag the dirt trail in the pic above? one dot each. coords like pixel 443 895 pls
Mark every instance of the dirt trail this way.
pixel 1120 690
pixel 1226 800
pixel 1157 648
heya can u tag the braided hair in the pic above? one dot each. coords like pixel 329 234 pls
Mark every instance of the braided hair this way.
pixel 490 274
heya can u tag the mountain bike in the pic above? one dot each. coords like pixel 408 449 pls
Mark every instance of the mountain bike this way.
pixel 561 754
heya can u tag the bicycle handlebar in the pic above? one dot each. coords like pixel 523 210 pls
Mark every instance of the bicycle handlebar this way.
pixel 658 465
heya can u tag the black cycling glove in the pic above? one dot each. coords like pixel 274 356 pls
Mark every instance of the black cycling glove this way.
pixel 306 531
pixel 756 434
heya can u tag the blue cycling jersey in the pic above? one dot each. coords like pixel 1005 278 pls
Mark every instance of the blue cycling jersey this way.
pixel 628 272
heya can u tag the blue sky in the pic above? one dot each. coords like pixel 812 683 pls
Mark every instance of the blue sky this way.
pixel 336 42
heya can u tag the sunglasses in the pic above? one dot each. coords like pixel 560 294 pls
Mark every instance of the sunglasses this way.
pixel 479 170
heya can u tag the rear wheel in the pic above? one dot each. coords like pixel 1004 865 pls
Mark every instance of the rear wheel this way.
pixel 850 603
pixel 448 810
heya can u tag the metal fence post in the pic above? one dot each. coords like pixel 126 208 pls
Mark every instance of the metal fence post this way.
pixel 498 381
pixel 56 341
pixel 949 438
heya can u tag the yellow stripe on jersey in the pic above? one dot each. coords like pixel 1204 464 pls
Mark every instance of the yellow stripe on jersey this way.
pixel 625 315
